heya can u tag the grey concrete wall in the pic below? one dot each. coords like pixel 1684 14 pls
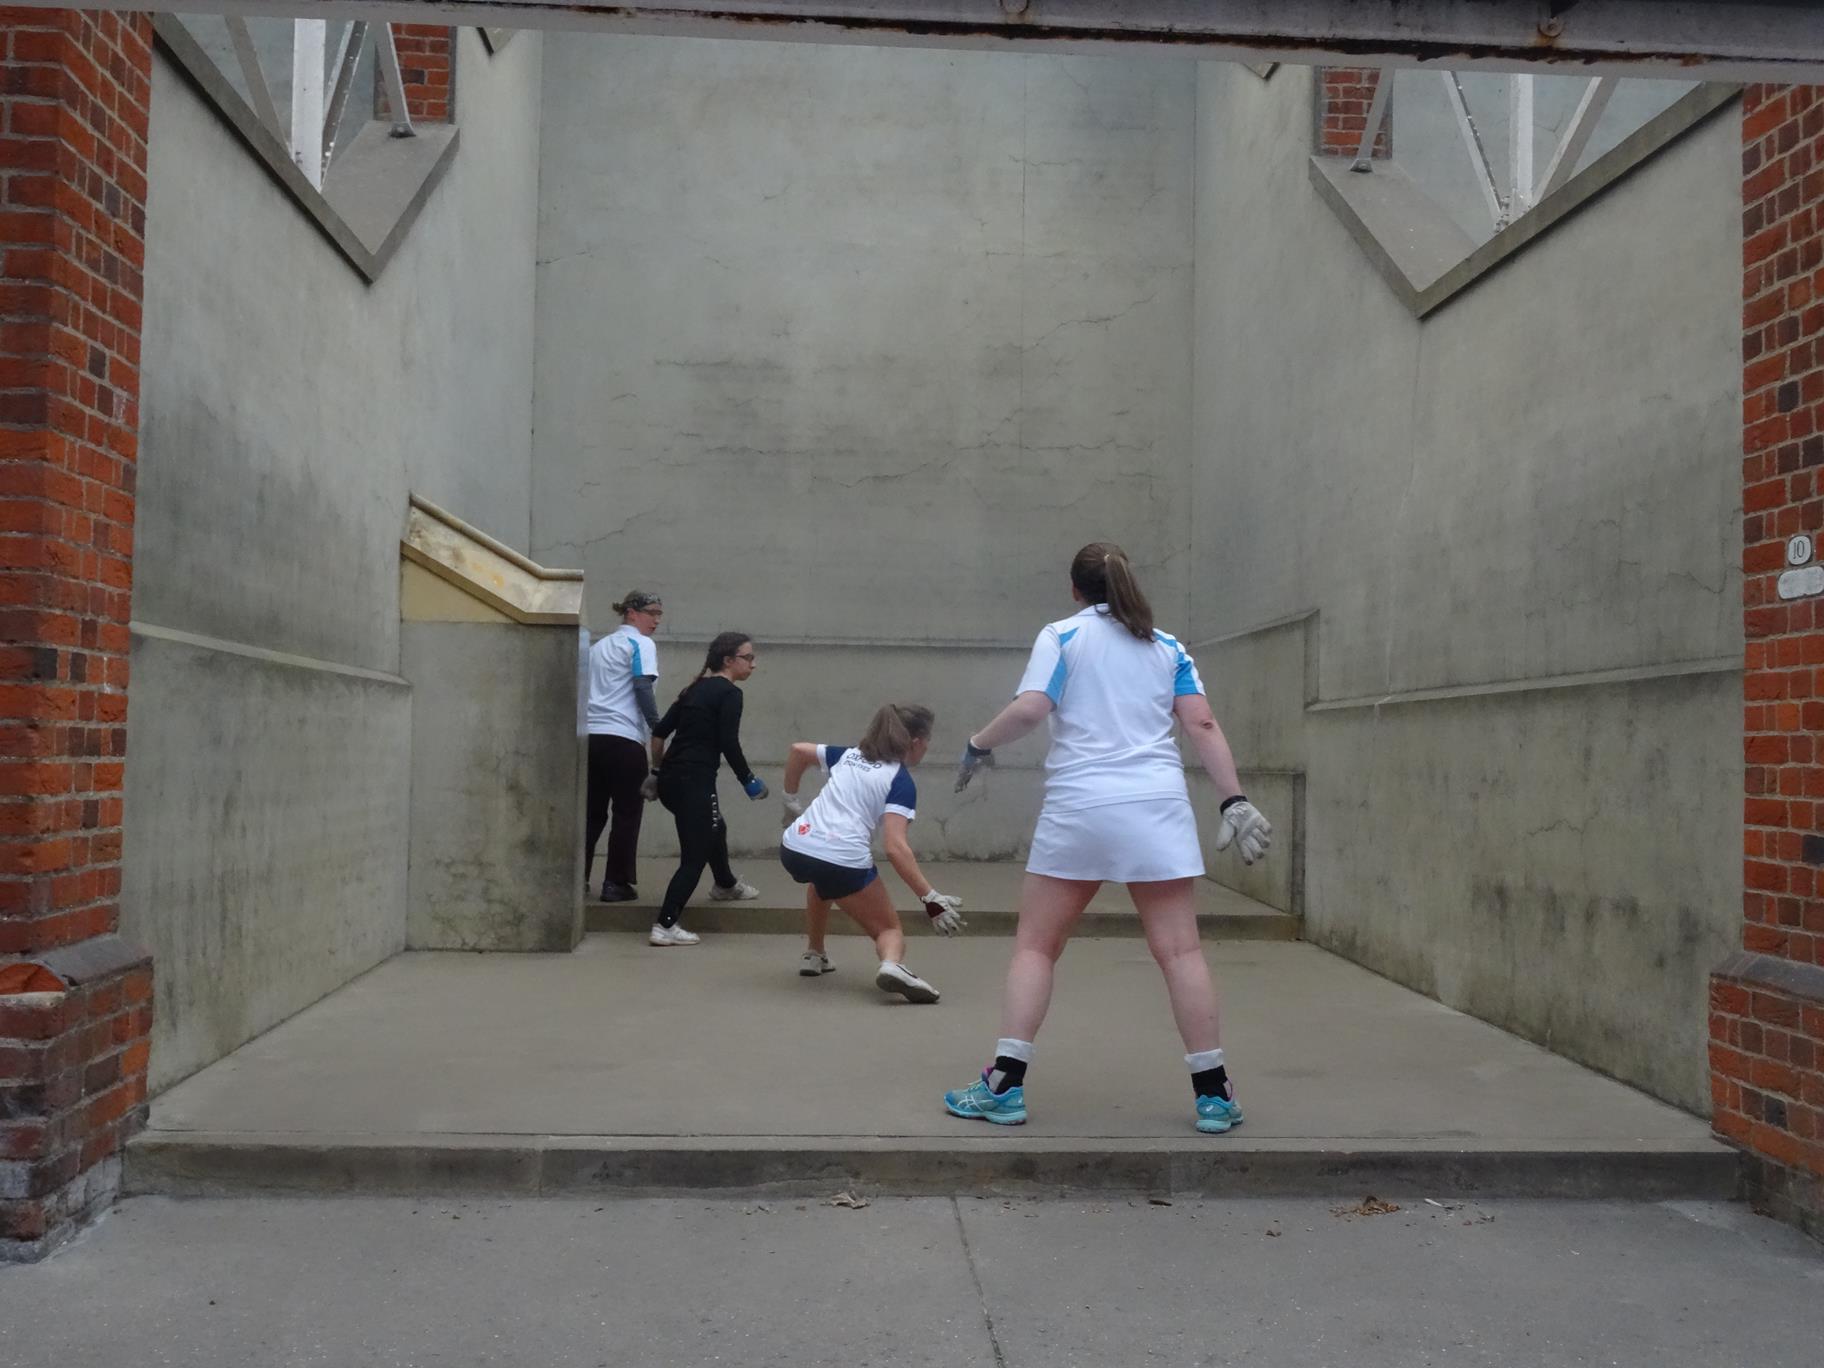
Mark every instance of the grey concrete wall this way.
pixel 1517 525
pixel 852 349
pixel 287 409
pixel 497 790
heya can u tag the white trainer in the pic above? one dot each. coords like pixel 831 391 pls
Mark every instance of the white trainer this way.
pixel 896 978
pixel 736 892
pixel 815 962
pixel 671 935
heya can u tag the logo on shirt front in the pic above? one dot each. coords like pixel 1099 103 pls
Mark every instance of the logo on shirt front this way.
pixel 804 828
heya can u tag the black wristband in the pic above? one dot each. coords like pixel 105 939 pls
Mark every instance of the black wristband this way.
pixel 970 748
pixel 1228 803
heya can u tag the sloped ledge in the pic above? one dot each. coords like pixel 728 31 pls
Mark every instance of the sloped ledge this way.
pixel 490 571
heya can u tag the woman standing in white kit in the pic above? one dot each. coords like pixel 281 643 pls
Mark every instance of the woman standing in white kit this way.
pixel 1116 808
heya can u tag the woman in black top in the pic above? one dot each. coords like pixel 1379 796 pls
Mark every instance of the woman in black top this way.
pixel 703 726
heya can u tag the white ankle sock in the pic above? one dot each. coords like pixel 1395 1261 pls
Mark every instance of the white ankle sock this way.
pixel 1204 1059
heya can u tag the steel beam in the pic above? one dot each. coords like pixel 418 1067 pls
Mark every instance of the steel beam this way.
pixel 309 47
pixel 1769 40
pixel 1577 133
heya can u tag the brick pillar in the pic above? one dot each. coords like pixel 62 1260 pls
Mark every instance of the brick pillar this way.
pixel 427 63
pixel 75 1000
pixel 1767 1002
pixel 1344 98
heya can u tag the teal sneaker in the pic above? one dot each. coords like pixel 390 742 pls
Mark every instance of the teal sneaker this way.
pixel 977 1103
pixel 1216 1115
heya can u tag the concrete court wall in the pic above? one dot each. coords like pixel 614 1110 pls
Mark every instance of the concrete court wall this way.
pixel 288 409
pixel 851 349
pixel 1516 524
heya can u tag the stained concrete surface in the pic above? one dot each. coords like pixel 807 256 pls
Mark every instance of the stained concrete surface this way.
pixel 496 804
pixel 608 1041
pixel 1013 1284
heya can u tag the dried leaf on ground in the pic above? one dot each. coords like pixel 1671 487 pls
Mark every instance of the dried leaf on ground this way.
pixel 1368 1206
pixel 849 1200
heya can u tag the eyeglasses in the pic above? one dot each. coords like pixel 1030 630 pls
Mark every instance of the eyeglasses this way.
pixel 748 656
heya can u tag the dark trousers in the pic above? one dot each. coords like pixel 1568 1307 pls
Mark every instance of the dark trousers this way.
pixel 690 797
pixel 617 768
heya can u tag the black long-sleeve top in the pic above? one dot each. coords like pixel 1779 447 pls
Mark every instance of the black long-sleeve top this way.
pixel 706 721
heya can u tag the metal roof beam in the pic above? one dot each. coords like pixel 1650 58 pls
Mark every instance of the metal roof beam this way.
pixel 1731 40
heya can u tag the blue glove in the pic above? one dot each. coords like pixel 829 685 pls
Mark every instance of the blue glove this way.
pixel 755 787
pixel 974 758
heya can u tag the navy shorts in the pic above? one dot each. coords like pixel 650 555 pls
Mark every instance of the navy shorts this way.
pixel 832 881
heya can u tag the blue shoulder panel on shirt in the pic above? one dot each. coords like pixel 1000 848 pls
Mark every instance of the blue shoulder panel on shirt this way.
pixel 831 754
pixel 637 671
pixel 902 792
pixel 1054 687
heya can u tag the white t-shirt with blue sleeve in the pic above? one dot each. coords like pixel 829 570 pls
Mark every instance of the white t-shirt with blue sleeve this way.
pixel 838 826
pixel 1111 725
pixel 614 663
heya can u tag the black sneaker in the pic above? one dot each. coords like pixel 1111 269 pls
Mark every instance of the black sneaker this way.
pixel 618 892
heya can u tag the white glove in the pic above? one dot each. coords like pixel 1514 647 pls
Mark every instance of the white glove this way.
pixel 649 787
pixel 942 909
pixel 793 805
pixel 1251 833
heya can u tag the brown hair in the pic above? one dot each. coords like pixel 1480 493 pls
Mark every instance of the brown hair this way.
pixel 721 650
pixel 637 601
pixel 894 728
pixel 1102 573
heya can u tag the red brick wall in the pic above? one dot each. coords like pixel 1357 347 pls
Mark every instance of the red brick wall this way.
pixel 1344 95
pixel 75 89
pixel 427 62
pixel 1767 1004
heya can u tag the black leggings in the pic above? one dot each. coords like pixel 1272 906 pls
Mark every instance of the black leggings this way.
pixel 690 797
pixel 617 768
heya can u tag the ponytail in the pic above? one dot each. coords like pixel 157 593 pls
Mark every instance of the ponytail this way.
pixel 894 728
pixel 1102 574
pixel 725 647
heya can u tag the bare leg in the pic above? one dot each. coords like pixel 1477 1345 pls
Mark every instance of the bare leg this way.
pixel 816 918
pixel 1168 913
pixel 873 911
pixel 1049 909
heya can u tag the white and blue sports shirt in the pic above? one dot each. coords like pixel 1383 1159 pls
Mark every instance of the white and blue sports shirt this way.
pixel 839 824
pixel 1111 722
pixel 614 663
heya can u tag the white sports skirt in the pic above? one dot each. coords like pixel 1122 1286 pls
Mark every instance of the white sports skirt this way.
pixel 1137 842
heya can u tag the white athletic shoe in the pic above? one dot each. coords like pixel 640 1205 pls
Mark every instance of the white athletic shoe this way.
pixel 737 892
pixel 896 978
pixel 815 962
pixel 671 935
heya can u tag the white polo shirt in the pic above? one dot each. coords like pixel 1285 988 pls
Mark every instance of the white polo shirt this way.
pixel 1111 724
pixel 839 824
pixel 614 663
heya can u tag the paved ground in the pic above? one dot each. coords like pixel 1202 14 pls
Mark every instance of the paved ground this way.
pixel 1000 1284
pixel 537 1064
pixel 726 1039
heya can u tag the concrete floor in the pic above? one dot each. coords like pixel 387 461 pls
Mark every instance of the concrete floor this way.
pixel 723 1046
pixel 1001 1284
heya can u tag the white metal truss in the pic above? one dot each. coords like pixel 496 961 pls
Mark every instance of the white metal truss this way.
pixel 1742 40
pixel 1377 115
pixel 388 54
pixel 310 135
pixel 1524 191
pixel 309 46
pixel 257 89
pixel 1576 135
pixel 1472 142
